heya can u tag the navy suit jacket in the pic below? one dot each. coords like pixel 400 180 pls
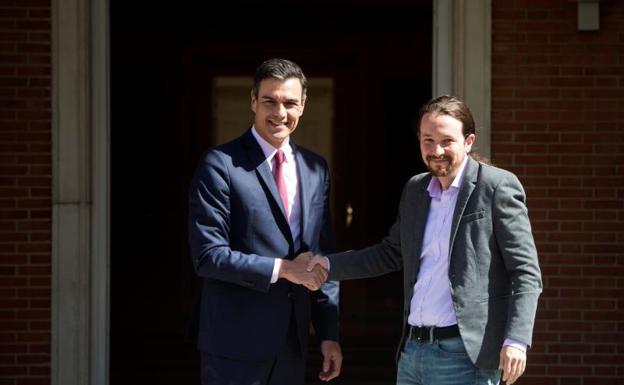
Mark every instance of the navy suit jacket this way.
pixel 237 228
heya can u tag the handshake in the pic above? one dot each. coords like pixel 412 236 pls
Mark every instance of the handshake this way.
pixel 306 269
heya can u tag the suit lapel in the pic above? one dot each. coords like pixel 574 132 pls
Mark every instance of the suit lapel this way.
pixel 421 213
pixel 468 185
pixel 265 177
pixel 304 178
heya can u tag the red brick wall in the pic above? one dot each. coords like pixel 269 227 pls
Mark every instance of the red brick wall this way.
pixel 558 122
pixel 25 191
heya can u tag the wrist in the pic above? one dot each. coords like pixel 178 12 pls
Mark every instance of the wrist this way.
pixel 515 344
pixel 284 268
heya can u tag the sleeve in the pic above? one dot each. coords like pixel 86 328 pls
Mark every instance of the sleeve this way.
pixel 376 260
pixel 325 302
pixel 209 230
pixel 516 344
pixel 276 268
pixel 512 230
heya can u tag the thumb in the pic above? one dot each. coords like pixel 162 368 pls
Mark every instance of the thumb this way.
pixel 326 363
pixel 311 263
pixel 505 368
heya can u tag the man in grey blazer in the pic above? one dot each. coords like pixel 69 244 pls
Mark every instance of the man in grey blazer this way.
pixel 470 268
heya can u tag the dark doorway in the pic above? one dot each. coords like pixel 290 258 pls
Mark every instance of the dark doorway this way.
pixel 163 60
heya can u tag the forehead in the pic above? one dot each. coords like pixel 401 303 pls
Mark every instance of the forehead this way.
pixel 290 87
pixel 436 124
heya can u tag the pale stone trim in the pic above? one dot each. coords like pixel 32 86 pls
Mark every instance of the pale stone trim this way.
pixel 442 70
pixel 462 39
pixel 100 179
pixel 79 192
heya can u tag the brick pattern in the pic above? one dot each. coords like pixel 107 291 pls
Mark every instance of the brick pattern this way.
pixel 558 123
pixel 25 191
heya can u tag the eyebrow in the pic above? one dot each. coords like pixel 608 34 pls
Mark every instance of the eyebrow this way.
pixel 291 100
pixel 445 137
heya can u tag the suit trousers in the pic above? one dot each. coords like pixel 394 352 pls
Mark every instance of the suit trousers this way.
pixel 441 362
pixel 286 368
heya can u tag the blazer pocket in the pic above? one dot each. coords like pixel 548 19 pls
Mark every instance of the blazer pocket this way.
pixel 317 202
pixel 497 298
pixel 317 207
pixel 473 216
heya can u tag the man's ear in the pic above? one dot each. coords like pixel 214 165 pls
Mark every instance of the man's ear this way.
pixel 470 140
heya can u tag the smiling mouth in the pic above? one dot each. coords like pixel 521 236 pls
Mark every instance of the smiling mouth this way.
pixel 277 124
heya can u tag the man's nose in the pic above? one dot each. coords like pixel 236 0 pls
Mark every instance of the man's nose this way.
pixel 438 150
pixel 279 110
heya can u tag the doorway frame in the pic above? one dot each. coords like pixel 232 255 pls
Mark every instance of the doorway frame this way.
pixel 81 149
pixel 80 192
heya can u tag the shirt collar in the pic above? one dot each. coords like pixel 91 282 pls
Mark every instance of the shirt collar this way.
pixel 268 149
pixel 435 188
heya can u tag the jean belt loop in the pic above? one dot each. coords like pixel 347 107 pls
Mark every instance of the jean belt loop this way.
pixel 431 334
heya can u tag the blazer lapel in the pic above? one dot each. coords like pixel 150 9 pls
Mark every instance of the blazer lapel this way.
pixel 468 185
pixel 421 213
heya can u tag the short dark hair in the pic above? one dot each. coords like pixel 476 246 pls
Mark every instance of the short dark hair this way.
pixel 451 106
pixel 280 69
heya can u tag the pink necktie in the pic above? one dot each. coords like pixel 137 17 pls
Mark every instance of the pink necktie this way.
pixel 279 180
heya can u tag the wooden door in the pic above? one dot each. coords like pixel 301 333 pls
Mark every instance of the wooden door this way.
pixel 165 62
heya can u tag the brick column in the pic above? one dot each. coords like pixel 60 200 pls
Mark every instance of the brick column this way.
pixel 25 192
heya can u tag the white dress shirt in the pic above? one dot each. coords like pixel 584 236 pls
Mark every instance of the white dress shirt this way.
pixel 289 171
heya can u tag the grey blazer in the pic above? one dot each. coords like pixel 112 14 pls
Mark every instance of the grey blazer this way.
pixel 494 272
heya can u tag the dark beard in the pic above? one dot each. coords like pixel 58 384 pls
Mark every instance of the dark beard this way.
pixel 439 172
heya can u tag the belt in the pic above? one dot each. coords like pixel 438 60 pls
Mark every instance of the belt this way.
pixel 432 333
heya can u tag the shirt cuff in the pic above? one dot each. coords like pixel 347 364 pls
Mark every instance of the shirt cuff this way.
pixel 328 264
pixel 515 344
pixel 276 269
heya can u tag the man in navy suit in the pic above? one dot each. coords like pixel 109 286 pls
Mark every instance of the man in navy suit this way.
pixel 258 210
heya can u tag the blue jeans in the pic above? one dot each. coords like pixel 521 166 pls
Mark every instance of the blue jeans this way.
pixel 441 362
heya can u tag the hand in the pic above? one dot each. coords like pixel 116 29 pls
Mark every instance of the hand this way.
pixel 304 258
pixel 332 360
pixel 318 260
pixel 513 363
pixel 296 272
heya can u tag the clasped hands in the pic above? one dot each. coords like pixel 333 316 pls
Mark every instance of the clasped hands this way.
pixel 311 271
pixel 306 269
